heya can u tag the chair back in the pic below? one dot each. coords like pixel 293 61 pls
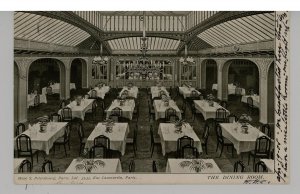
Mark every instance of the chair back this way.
pixel 262 146
pixel 189 152
pixel 154 167
pixel 80 132
pixel 94 94
pixel 102 140
pixel 25 166
pixel 239 166
pixel 205 135
pixel 67 133
pixel 20 128
pixel 132 166
pixel 66 114
pixel 250 101
pixel 94 106
pixel 266 129
pixel 117 111
pixel 232 118
pixel 55 117
pixel 170 112
pixel 183 141
pixel 98 151
pixel 23 144
pixel 260 167
pixel 219 134
pixel 49 90
pixel 47 166
pixel 221 115
pixel 36 100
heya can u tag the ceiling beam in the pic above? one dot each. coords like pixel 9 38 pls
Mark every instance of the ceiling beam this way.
pixel 214 20
pixel 116 35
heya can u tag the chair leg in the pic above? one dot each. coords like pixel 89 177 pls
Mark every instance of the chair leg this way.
pixel 232 150
pixel 31 159
pixel 217 146
pixel 221 151
pixel 65 150
pixel 152 151
pixel 206 149
pixel 253 161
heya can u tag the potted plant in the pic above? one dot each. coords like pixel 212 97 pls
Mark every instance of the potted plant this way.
pixel 78 100
pixel 89 164
pixel 244 119
pixel 166 100
pixel 109 125
pixel 210 99
pixel 178 125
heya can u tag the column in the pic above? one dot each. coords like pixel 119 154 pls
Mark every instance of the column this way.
pixel 65 76
pixel 222 79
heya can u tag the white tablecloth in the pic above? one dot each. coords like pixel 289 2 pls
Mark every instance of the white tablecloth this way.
pixel 270 164
pixel 133 92
pixel 117 136
pixel 155 91
pixel 111 166
pixel 206 110
pixel 173 166
pixel 44 141
pixel 242 142
pixel 169 137
pixel 56 88
pixel 186 92
pixel 160 109
pixel 127 108
pixel 17 162
pixel 231 89
pixel 101 92
pixel 30 99
pixel 79 111
pixel 255 100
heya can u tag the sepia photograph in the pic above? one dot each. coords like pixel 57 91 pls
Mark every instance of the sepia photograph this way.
pixel 129 97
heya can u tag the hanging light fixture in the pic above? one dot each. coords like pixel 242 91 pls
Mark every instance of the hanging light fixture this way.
pixel 186 60
pixel 100 60
pixel 144 39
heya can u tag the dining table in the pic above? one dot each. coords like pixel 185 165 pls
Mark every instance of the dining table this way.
pixel 78 111
pixel 187 91
pixel 155 91
pixel 160 108
pixel 132 91
pixel 231 89
pixel 101 92
pixel 206 110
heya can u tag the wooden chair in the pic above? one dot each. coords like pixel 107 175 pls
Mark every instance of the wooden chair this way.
pixel 98 151
pixel 250 105
pixel 82 138
pixel 266 129
pixel 47 166
pixel 151 111
pixel 64 140
pixel 239 166
pixel 221 115
pixel 24 148
pixel 183 141
pixel 260 167
pixel 262 149
pixel 170 112
pixel 222 141
pixel 189 152
pixel 132 166
pixel 93 94
pixel 205 135
pixel 20 128
pixel 25 166
pixel 154 166
pixel 153 142
pixel 102 140
pixel 133 141
pixel 66 114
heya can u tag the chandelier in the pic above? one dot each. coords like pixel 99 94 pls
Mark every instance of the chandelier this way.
pixel 186 60
pixel 100 60
pixel 144 39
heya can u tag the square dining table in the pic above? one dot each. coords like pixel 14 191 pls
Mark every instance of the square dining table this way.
pixel 175 166
pixel 127 108
pixel 155 91
pixel 160 109
pixel 133 92
pixel 43 141
pixel 186 91
pixel 106 166
pixel 101 92
pixel 206 110
pixel 169 137
pixel 117 136
pixel 79 111
pixel 243 142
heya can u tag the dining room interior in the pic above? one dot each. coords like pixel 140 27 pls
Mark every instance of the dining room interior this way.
pixel 144 92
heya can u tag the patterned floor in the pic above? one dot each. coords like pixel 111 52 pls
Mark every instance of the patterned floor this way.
pixel 143 160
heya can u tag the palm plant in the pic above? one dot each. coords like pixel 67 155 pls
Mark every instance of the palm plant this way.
pixel 89 164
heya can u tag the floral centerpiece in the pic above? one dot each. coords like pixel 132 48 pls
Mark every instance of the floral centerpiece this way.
pixel 196 165
pixel 210 99
pixel 109 125
pixel 122 99
pixel 89 164
pixel 78 100
pixel 178 125
pixel 244 119
pixel 165 99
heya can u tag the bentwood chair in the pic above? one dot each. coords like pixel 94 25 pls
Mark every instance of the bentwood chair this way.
pixel 98 151
pixel 151 111
pixel 204 139
pixel 64 140
pixel 262 149
pixel 25 166
pixel 132 166
pixel 189 152
pixel 153 142
pixel 47 166
pixel 93 94
pixel 154 166
pixel 102 140
pixel 133 141
pixel 66 114
pixel 82 138
pixel 183 141
pixel 239 166
pixel 266 129
pixel 221 115
pixel 260 167
pixel 24 148
pixel 36 100
pixel 170 112
pixel 20 128
pixel 223 141
pixel 250 105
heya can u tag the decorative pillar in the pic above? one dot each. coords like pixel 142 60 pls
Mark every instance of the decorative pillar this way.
pixel 222 79
pixel 263 65
pixel 65 76
pixel 23 65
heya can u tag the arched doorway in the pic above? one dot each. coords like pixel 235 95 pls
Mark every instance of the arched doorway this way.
pixel 241 72
pixel 79 73
pixel 270 93
pixel 16 93
pixel 44 71
pixel 209 74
